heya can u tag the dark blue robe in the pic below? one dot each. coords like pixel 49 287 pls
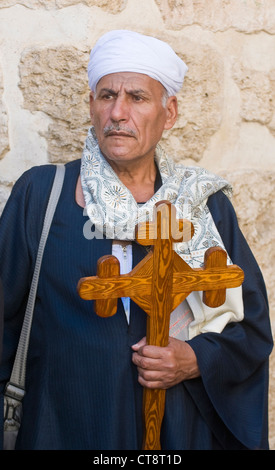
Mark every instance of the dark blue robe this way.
pixel 81 387
pixel 1 317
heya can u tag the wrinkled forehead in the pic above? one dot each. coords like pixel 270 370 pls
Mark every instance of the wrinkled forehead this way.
pixel 130 81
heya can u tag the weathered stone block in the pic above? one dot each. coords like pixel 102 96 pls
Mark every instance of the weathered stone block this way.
pixel 54 81
pixel 112 6
pixel 219 15
pixel 5 190
pixel 4 134
pixel 257 95
pixel 48 4
pixel 200 102
pixel 271 124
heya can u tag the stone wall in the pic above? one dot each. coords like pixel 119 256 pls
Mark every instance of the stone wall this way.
pixel 227 112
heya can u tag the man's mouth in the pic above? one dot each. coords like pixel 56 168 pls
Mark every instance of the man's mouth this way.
pixel 119 134
pixel 117 131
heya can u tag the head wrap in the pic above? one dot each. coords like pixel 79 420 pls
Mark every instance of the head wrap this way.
pixel 128 51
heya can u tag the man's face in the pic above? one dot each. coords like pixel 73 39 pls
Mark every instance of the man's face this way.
pixel 129 117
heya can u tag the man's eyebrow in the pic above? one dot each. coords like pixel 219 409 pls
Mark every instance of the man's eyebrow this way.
pixel 132 92
pixel 138 91
pixel 108 91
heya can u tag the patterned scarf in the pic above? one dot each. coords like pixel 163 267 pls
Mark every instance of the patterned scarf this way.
pixel 113 210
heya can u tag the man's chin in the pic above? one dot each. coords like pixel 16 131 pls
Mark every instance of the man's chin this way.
pixel 118 153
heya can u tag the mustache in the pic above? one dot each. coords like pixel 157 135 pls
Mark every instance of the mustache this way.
pixel 118 128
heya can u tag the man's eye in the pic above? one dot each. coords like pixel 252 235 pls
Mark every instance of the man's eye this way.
pixel 137 98
pixel 106 96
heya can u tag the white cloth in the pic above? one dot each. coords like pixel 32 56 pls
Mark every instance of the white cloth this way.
pixel 128 51
pixel 125 257
pixel 112 208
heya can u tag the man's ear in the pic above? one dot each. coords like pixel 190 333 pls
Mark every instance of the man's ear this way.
pixel 92 106
pixel 172 112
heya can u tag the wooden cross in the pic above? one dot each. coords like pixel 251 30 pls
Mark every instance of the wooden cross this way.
pixel 158 284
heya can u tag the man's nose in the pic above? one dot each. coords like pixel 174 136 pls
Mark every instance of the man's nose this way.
pixel 120 110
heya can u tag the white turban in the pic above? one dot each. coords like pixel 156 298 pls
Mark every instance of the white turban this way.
pixel 128 51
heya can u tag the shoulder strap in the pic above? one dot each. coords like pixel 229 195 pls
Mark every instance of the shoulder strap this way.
pixel 18 374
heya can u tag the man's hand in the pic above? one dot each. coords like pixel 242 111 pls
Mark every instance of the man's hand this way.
pixel 164 367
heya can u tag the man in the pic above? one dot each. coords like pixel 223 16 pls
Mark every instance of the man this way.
pixel 85 374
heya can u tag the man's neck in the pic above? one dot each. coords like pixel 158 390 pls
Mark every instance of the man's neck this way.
pixel 139 178
pixel 141 184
